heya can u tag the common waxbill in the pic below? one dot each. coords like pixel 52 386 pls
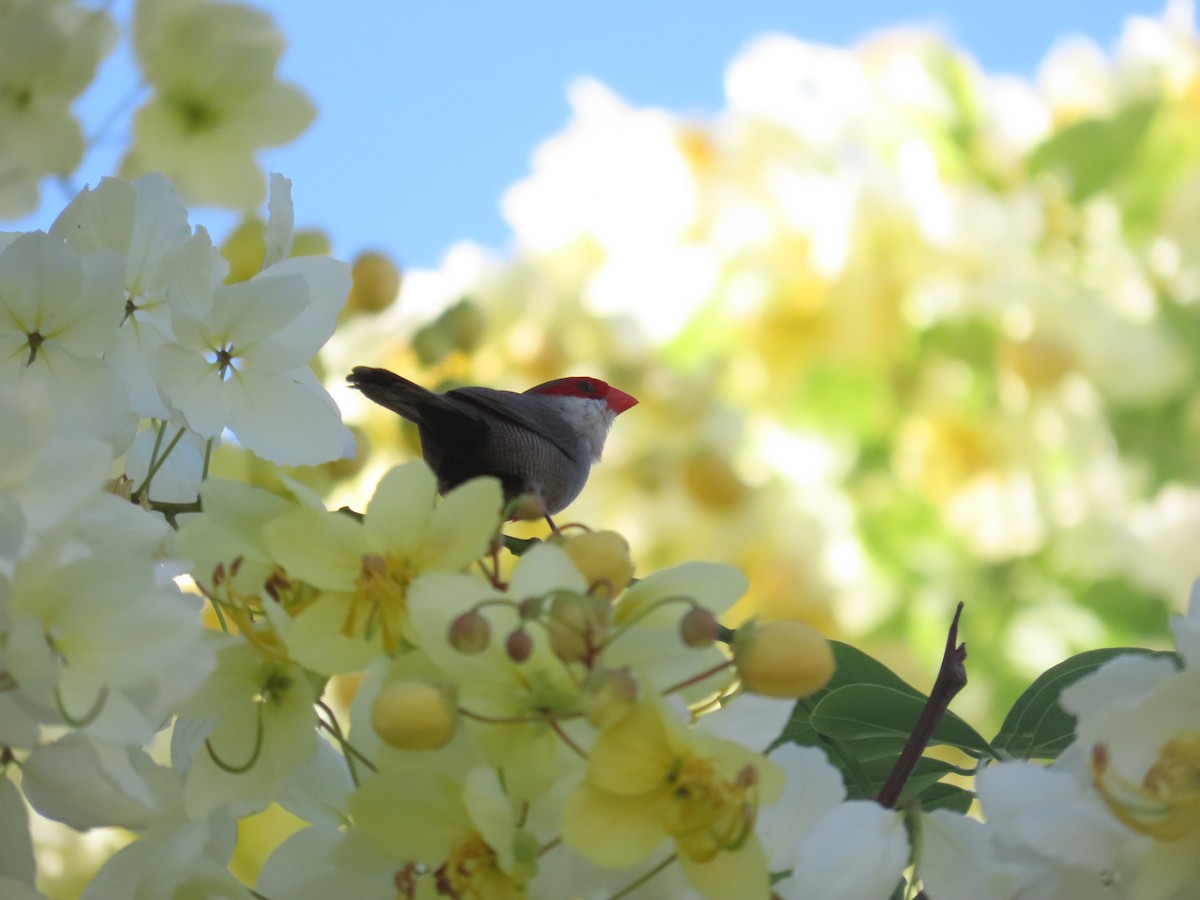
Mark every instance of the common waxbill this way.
pixel 542 442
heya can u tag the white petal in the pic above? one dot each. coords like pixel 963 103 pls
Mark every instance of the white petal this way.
pixel 959 862
pixel 1050 814
pixel 328 285
pixel 193 386
pixel 255 310
pixel 750 720
pixel 1123 679
pixel 85 396
pixel 859 849
pixel 813 788
pixel 287 417
pixel 83 785
pixel 16 845
pixel 280 220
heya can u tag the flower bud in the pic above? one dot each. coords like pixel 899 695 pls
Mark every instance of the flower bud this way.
pixel 527 508
pixel 602 557
pixel 519 645
pixel 698 628
pixel 470 633
pixel 567 627
pixel 375 283
pixel 414 715
pixel 606 693
pixel 782 659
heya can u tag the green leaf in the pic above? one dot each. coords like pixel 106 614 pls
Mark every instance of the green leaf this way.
pixel 873 711
pixel 945 796
pixel 851 666
pixel 869 712
pixel 1037 727
pixel 519 546
pixel 1093 152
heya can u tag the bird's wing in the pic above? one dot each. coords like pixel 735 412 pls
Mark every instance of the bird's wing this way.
pixel 418 404
pixel 518 409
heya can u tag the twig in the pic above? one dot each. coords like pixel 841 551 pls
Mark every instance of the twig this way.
pixel 951 678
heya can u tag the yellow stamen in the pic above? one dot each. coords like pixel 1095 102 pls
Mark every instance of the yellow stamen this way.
pixel 380 596
pixel 1166 805
pixel 704 813
pixel 473 871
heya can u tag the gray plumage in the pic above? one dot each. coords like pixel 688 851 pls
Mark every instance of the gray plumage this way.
pixel 543 441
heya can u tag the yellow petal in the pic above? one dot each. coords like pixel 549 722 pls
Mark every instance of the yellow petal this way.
pixel 399 512
pixel 463 525
pixel 609 829
pixel 634 755
pixel 739 874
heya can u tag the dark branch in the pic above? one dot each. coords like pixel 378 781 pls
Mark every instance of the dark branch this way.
pixel 951 678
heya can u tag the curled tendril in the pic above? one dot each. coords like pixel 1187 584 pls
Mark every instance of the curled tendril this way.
pixel 88 717
pixel 259 729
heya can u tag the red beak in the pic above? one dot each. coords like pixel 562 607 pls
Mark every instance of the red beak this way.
pixel 619 401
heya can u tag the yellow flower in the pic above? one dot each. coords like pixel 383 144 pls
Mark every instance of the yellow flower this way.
pixel 364 569
pixel 457 823
pixel 649 779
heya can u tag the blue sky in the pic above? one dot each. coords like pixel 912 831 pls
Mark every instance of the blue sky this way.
pixel 429 110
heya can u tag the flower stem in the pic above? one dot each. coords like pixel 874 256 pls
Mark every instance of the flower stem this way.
pixel 696 679
pixel 634 885
pixel 156 461
pixel 566 739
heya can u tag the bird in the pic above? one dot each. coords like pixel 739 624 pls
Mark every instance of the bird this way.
pixel 543 441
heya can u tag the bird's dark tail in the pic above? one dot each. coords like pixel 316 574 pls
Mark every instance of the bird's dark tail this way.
pixel 393 392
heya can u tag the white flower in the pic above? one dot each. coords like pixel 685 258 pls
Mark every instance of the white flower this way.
pixel 59 315
pixel 243 363
pixel 1139 729
pixel 216 101
pixel 49 51
pixel 100 641
pixel 146 222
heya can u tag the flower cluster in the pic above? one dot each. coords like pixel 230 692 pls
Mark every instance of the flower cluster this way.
pixel 234 679
pixel 125 361
pixel 542 716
